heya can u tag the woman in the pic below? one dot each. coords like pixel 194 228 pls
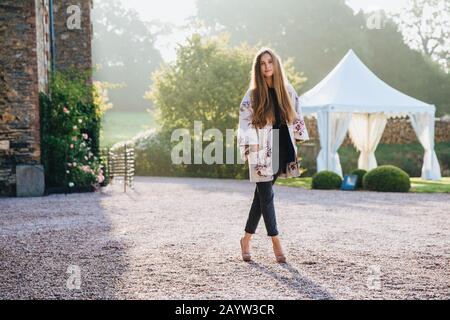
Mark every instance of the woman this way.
pixel 270 124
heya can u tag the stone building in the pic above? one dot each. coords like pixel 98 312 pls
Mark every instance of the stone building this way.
pixel 36 36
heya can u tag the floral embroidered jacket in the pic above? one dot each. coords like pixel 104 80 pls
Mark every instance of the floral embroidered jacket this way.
pixel 260 161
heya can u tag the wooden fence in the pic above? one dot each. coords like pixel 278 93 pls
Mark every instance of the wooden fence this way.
pixel 120 164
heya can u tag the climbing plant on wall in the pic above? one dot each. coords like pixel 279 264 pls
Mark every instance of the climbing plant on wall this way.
pixel 70 124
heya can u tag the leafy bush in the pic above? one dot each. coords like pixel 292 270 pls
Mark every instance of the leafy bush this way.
pixel 70 124
pixel 153 158
pixel 326 180
pixel 387 178
pixel 152 154
pixel 360 173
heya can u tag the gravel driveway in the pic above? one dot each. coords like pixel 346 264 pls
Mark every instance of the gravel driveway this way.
pixel 179 238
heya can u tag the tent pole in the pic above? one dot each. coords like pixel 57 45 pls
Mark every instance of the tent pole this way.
pixel 328 137
pixel 368 138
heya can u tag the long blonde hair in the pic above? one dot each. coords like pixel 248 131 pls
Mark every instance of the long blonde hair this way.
pixel 261 103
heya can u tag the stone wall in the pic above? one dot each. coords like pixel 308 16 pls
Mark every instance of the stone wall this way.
pixel 397 131
pixel 73 39
pixel 24 65
pixel 19 105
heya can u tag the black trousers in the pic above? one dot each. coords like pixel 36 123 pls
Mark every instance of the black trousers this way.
pixel 263 205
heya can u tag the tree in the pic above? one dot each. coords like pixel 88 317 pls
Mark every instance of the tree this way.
pixel 206 83
pixel 124 49
pixel 318 33
pixel 405 69
pixel 425 25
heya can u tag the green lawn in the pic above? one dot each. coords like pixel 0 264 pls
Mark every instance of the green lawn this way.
pixel 121 126
pixel 417 184
pixel 304 183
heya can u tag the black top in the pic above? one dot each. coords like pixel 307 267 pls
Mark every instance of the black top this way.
pixel 287 152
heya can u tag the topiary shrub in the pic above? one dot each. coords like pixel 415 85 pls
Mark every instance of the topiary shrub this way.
pixel 326 180
pixel 387 178
pixel 360 173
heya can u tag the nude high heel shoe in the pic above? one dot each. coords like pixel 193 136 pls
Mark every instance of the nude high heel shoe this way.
pixel 246 256
pixel 281 258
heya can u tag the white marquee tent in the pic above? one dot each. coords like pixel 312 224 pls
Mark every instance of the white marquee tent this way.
pixel 352 98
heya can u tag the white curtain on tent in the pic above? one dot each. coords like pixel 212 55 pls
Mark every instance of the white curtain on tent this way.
pixel 321 159
pixel 338 125
pixel 365 131
pixel 423 125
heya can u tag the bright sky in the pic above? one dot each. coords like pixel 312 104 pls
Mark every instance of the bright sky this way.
pixel 176 11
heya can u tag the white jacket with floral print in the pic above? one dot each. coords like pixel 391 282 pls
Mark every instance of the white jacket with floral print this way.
pixel 260 161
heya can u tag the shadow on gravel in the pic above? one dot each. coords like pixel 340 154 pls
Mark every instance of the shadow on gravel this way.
pixel 59 247
pixel 304 286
